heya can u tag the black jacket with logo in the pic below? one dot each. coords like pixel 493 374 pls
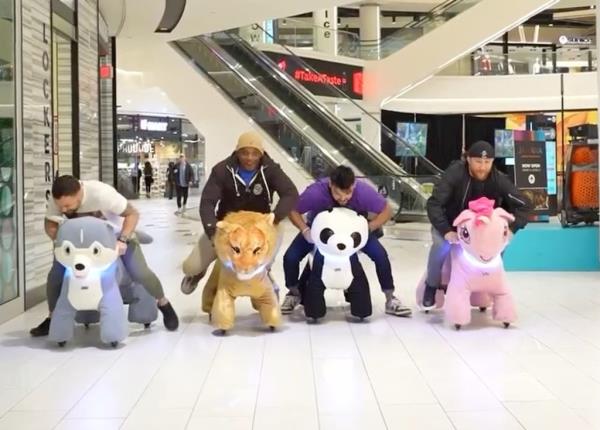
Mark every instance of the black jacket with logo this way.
pixel 225 191
pixel 457 188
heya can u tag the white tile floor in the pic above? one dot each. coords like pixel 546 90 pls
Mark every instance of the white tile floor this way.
pixel 389 373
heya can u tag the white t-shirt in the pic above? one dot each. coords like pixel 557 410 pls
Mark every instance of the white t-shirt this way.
pixel 97 196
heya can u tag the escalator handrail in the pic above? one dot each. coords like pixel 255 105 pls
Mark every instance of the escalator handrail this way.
pixel 389 168
pixel 435 11
pixel 307 96
pixel 389 133
pixel 404 181
pixel 229 62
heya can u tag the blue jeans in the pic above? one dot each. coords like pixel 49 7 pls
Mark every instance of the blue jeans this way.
pixel 440 248
pixel 299 248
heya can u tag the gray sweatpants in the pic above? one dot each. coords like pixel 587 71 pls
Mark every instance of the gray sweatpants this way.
pixel 440 248
pixel 134 262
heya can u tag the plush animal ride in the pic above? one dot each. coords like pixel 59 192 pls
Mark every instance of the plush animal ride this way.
pixel 474 271
pixel 338 235
pixel 95 283
pixel 245 243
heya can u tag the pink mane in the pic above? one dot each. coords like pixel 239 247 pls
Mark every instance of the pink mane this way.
pixel 482 207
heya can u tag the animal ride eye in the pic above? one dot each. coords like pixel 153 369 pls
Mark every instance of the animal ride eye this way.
pixel 356 237
pixel 67 250
pixel 236 249
pixel 326 233
pixel 96 250
pixel 256 250
pixel 464 234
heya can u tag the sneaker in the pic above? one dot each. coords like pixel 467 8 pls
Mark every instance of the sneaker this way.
pixel 42 329
pixel 190 283
pixel 170 319
pixel 395 307
pixel 289 303
pixel 429 298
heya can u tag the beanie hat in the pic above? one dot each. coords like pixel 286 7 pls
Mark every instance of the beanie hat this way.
pixel 250 139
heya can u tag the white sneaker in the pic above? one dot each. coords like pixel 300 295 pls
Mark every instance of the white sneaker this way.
pixel 183 209
pixel 396 308
pixel 289 304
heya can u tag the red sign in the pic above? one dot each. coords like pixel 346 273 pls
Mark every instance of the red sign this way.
pixel 319 78
pixel 106 71
pixel 320 75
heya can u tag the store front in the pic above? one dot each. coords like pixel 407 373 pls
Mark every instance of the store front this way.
pixel 158 141
pixel 11 294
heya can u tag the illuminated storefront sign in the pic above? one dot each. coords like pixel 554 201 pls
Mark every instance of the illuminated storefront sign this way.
pixel 148 125
pixel 322 75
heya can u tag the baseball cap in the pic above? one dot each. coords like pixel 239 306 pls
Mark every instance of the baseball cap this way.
pixel 481 149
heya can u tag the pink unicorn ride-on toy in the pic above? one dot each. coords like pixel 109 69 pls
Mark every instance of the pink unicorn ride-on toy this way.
pixel 474 271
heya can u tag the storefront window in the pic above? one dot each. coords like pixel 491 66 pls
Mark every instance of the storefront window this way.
pixel 8 212
pixel 157 141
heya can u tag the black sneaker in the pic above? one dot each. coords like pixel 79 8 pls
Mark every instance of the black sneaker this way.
pixel 42 329
pixel 429 298
pixel 170 319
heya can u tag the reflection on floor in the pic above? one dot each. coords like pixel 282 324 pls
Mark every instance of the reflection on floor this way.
pixel 389 373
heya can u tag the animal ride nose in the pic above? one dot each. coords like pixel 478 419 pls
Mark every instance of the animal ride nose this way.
pixel 341 246
pixel 79 266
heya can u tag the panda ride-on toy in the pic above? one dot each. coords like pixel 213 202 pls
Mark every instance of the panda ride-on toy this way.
pixel 338 235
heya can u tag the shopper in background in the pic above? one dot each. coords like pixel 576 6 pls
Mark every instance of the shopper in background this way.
pixel 170 185
pixel 183 176
pixel 148 180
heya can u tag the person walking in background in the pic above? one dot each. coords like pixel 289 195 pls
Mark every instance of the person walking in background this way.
pixel 170 180
pixel 148 180
pixel 136 174
pixel 183 177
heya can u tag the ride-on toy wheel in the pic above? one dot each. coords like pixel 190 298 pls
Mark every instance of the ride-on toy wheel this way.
pixel 457 326
pixel 62 343
pixel 482 309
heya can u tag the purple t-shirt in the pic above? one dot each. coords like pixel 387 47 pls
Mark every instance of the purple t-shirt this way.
pixel 317 198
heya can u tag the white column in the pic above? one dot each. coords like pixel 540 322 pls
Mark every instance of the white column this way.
pixel 325 33
pixel 370 30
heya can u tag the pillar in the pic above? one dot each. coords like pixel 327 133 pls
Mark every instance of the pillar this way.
pixel 325 35
pixel 370 31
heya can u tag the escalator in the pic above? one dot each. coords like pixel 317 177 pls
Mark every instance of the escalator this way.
pixel 309 133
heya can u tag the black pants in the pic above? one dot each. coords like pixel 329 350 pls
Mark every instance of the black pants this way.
pixel 136 184
pixel 181 192
pixel 170 189
pixel 148 183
